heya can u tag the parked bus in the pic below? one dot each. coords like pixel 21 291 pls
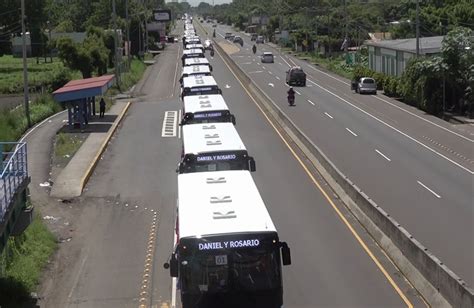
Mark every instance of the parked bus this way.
pixel 199 85
pixel 195 70
pixel 206 109
pixel 197 61
pixel 213 147
pixel 228 252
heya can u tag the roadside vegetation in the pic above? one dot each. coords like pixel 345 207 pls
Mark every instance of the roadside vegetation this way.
pixel 67 144
pixel 22 261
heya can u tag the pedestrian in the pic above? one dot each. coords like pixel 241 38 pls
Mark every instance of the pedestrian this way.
pixel 101 108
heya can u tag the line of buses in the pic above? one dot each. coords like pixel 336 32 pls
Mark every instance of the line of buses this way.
pixel 227 252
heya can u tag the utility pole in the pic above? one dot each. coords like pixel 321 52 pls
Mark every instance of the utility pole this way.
pixel 417 28
pixel 345 29
pixel 25 67
pixel 128 33
pixel 116 64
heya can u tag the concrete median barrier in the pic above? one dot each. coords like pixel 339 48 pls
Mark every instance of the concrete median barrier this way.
pixel 435 281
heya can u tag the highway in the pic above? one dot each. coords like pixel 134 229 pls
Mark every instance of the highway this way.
pixel 416 167
pixel 125 230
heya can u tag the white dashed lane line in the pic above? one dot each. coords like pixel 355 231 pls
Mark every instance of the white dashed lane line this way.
pixel 298 93
pixel 429 189
pixel 383 155
pixel 277 77
pixel 329 116
pixel 309 101
pixel 354 134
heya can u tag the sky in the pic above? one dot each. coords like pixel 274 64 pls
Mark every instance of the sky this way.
pixel 196 2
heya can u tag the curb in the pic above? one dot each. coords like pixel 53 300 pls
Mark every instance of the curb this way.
pixel 439 283
pixel 101 150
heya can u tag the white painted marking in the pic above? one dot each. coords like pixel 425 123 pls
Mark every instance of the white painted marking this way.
pixel 264 67
pixel 220 35
pixel 227 86
pixel 79 272
pixel 169 124
pixel 285 61
pixel 253 60
pixel 330 116
pixel 421 118
pixel 245 63
pixel 176 71
pixel 270 72
pixel 355 135
pixel 277 77
pixel 41 123
pixel 395 129
pixel 383 155
pixel 280 63
pixel 297 92
pixel 309 101
pixel 255 72
pixel 271 84
pixel 429 189
pixel 291 60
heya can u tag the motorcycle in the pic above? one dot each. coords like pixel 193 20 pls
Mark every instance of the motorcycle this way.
pixel 291 100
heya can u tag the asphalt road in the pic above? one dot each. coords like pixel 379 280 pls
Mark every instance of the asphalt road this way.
pixel 125 223
pixel 417 167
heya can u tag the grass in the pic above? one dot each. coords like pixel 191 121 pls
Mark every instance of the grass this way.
pixel 67 145
pixel 128 79
pixel 40 74
pixel 13 122
pixel 23 261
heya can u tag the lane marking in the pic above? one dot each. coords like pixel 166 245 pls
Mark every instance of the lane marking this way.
pixel 255 72
pixel 270 72
pixel 297 92
pixel 383 155
pixel 285 61
pixel 176 71
pixel 271 84
pixel 330 116
pixel 291 60
pixel 421 118
pixel 220 35
pixel 326 196
pixel 277 77
pixel 429 189
pixel 280 63
pixel 309 101
pixel 169 124
pixel 76 279
pixel 355 135
pixel 394 128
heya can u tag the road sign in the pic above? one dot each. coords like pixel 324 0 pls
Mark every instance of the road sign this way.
pixel 162 15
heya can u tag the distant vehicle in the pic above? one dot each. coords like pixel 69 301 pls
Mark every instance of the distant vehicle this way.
pixel 364 85
pixel 259 40
pixel 267 57
pixel 253 37
pixel 214 25
pixel 208 45
pixel 295 76
pixel 237 39
pixel 228 35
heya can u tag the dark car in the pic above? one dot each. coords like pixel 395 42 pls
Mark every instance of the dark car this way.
pixel 237 39
pixel 253 37
pixel 295 76
pixel 228 35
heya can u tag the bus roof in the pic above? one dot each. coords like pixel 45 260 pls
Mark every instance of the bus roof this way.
pixel 193 51
pixel 199 81
pixel 196 61
pixel 192 46
pixel 211 137
pixel 199 103
pixel 223 202
pixel 195 69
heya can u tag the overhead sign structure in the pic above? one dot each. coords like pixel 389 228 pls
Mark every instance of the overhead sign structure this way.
pixel 162 15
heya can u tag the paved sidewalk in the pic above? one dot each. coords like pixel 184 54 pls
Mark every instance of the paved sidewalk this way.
pixel 74 176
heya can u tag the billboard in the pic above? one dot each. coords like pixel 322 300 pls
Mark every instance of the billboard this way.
pixel 162 15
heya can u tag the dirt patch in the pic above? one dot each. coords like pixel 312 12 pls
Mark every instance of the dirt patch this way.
pixel 229 48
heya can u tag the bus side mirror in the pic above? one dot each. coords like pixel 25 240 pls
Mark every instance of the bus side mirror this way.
pixel 180 168
pixel 285 254
pixel 252 166
pixel 172 266
pixel 232 119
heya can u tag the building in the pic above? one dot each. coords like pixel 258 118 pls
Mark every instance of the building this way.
pixel 391 56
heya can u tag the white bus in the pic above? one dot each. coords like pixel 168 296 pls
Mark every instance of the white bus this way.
pixel 195 70
pixel 199 85
pixel 197 61
pixel 195 46
pixel 206 109
pixel 192 53
pixel 213 147
pixel 227 253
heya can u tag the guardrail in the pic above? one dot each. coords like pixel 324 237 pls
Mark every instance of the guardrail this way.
pixel 451 287
pixel 13 172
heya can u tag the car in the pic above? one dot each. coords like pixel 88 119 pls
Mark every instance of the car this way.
pixel 267 57
pixel 239 40
pixel 253 37
pixel 364 85
pixel 227 35
pixel 295 76
pixel 214 25
pixel 259 40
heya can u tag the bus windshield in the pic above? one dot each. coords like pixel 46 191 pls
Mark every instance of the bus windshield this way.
pixel 204 90
pixel 215 162
pixel 230 271
pixel 207 117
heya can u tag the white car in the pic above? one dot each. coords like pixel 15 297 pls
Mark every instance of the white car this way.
pixel 267 57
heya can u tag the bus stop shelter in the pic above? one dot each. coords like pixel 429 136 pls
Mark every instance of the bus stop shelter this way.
pixel 78 96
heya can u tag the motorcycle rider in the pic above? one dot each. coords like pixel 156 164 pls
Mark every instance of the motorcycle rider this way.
pixel 254 48
pixel 291 96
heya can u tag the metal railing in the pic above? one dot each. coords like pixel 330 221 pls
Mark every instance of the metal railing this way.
pixel 13 172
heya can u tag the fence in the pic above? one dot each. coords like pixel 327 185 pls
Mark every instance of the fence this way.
pixel 13 172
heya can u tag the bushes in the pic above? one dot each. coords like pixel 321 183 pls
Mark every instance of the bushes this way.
pixel 391 85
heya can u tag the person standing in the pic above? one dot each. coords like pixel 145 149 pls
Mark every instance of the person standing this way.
pixel 101 108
